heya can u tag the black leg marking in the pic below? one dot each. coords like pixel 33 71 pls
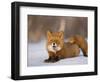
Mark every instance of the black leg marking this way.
pixel 48 60
pixel 85 54
pixel 53 59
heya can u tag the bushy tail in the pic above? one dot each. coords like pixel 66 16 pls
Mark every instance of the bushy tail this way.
pixel 81 42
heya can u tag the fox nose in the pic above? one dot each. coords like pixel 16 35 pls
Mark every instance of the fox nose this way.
pixel 53 43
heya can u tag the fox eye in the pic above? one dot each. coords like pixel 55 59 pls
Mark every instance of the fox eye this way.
pixel 50 40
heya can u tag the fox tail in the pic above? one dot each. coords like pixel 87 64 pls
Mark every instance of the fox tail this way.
pixel 81 42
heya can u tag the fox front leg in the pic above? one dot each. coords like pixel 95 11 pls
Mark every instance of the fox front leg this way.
pixel 48 60
pixel 52 57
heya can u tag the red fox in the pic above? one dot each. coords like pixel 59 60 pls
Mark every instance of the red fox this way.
pixel 58 49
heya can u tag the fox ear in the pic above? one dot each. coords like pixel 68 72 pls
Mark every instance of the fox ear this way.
pixel 61 34
pixel 49 34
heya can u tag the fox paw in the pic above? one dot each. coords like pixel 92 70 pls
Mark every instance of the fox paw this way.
pixel 47 60
pixel 86 55
pixel 51 60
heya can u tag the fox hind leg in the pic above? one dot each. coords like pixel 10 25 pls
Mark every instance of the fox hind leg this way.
pixel 85 52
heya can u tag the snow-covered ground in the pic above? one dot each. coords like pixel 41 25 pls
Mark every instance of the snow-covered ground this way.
pixel 37 53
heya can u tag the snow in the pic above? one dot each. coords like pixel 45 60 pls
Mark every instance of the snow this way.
pixel 37 53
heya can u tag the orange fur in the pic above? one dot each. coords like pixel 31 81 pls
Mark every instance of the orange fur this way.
pixel 58 49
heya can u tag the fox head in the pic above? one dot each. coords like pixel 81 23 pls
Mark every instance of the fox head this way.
pixel 55 41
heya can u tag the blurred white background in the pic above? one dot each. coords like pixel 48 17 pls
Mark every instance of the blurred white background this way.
pixel 5 40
